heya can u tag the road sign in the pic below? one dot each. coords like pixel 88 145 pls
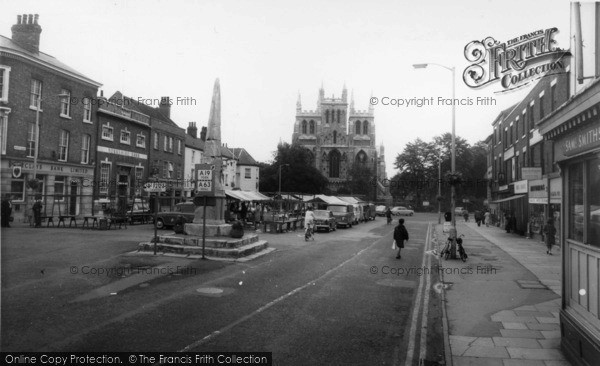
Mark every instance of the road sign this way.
pixel 205 179
pixel 155 187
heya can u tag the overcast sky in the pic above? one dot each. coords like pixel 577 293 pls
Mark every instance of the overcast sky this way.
pixel 265 52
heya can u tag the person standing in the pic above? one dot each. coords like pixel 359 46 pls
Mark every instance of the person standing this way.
pixel 549 233
pixel 400 235
pixel 388 214
pixel 309 219
pixel 486 218
pixel 6 211
pixel 37 212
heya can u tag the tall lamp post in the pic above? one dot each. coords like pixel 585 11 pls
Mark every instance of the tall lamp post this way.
pixel 280 203
pixel 453 232
pixel 439 197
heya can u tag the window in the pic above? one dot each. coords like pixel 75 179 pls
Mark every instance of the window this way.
pixel 179 147
pixel 87 109
pixel 553 96
pixel 327 116
pixel 4 78
pixel 17 189
pixel 3 131
pixel 59 188
pixel 85 149
pixel 339 113
pixel 107 132
pixel 334 164
pixel 104 176
pixel 575 209
pixel 335 137
pixel 365 128
pixel 63 145
pixel 65 103
pixel 541 106
pixel 139 175
pixel 31 140
pixel 125 137
pixel 140 140
pixel 357 127
pixel 530 115
pixel 36 94
pixel 167 170
pixel 312 127
pixel 247 173
pixel 170 144
pixel 593 205
pixel 178 171
pixel 166 144
pixel 304 129
pixel 156 140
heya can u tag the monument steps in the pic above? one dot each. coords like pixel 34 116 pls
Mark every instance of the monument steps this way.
pixel 213 242
pixel 220 252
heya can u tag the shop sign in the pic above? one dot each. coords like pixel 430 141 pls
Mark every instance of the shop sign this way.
pixel 531 173
pixel 581 141
pixel 131 154
pixel 538 189
pixel 520 186
pixel 555 190
pixel 43 168
pixel 538 201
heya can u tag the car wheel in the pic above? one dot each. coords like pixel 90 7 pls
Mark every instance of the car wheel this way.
pixel 160 224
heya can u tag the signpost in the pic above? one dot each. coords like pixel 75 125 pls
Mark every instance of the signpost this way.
pixel 205 187
pixel 155 187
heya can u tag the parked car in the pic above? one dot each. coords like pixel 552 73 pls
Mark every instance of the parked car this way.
pixel 343 213
pixel 168 219
pixel 459 210
pixel 402 211
pixel 139 211
pixel 324 219
pixel 380 210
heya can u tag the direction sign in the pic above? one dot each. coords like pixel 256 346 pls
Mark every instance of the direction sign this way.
pixel 155 187
pixel 205 179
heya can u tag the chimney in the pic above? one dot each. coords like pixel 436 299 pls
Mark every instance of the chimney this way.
pixel 203 133
pixel 165 106
pixel 192 130
pixel 26 33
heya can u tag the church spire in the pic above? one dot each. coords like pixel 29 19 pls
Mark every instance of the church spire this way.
pixel 371 105
pixel 352 102
pixel 345 93
pixel 299 103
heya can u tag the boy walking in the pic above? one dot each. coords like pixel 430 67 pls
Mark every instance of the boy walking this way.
pixel 400 235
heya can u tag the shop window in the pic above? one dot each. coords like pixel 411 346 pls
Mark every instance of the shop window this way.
pixel 59 188
pixel 104 178
pixel 593 230
pixel 17 189
pixel 575 209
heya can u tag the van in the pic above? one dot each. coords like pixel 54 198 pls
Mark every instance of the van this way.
pixel 344 214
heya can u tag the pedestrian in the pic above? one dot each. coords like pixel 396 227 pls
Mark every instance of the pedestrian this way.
pixel 478 217
pixel 486 218
pixel 466 215
pixel 507 222
pixel 6 211
pixel 388 214
pixel 549 232
pixel 37 212
pixel 400 235
pixel 243 211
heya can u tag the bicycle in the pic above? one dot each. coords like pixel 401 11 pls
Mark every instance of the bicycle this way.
pixel 309 233
pixel 459 248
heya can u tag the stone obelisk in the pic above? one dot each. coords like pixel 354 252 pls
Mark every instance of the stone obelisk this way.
pixel 215 208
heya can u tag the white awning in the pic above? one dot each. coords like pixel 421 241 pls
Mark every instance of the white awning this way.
pixel 246 195
pixel 509 198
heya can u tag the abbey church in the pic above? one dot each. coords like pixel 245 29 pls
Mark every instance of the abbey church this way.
pixel 338 136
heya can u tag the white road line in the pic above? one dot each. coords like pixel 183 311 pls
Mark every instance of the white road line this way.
pixel 415 318
pixel 270 304
pixel 423 343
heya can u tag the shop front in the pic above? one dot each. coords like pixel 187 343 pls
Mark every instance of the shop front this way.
pixel 538 203
pixel 575 129
pixel 65 189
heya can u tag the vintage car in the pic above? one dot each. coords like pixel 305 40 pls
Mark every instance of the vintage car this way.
pixel 325 219
pixel 402 211
pixel 168 219
pixel 380 210
pixel 139 210
pixel 343 213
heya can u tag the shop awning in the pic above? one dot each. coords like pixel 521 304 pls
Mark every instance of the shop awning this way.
pixel 509 198
pixel 246 195
pixel 330 200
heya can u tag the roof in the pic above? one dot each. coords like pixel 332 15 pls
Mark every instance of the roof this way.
pixel 195 143
pixel 246 195
pixel 505 113
pixel 133 103
pixel 243 157
pixel 330 200
pixel 225 152
pixel 7 45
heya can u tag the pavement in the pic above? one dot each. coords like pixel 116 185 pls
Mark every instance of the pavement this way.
pixel 502 304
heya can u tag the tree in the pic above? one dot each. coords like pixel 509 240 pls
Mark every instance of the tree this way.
pixel 299 175
pixel 361 180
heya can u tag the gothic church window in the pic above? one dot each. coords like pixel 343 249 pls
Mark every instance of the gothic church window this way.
pixel 357 127
pixel 334 164
pixel 365 128
pixel 327 116
pixel 338 115
pixel 304 127
pixel 312 127
pixel 334 137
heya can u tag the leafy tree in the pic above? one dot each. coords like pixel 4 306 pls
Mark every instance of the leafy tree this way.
pixel 299 175
pixel 361 181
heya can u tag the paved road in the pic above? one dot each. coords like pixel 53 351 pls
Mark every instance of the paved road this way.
pixel 342 299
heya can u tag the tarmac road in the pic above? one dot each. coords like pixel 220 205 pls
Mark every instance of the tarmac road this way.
pixel 342 299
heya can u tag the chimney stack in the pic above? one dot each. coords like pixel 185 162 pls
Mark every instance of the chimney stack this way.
pixel 192 130
pixel 26 33
pixel 203 133
pixel 165 106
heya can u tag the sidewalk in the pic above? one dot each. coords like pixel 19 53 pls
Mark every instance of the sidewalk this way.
pixel 502 304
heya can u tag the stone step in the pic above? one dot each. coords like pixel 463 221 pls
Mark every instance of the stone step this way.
pixel 210 242
pixel 237 252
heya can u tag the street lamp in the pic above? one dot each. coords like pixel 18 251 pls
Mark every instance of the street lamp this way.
pixel 280 183
pixel 439 197
pixel 453 232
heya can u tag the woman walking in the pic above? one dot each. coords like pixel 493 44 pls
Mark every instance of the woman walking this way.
pixel 549 232
pixel 400 235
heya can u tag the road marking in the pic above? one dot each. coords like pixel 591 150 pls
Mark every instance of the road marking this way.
pixel 415 318
pixel 274 302
pixel 423 343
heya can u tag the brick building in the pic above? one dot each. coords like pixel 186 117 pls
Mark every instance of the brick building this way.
pixel 66 138
pixel 247 170
pixel 122 152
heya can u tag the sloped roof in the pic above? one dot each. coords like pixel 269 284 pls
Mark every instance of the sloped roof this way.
pixel 246 195
pixel 133 103
pixel 195 143
pixel 243 157
pixel 7 45
pixel 226 152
